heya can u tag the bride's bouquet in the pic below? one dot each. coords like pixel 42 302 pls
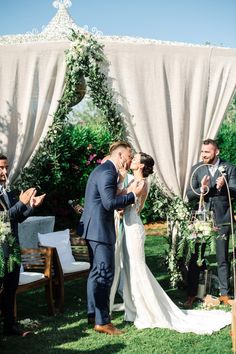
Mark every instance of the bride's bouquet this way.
pixel 9 248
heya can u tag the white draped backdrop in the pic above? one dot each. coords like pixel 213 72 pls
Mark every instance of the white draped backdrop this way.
pixel 172 95
pixel 31 83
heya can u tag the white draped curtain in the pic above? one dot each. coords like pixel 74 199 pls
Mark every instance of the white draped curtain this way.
pixel 173 97
pixel 31 83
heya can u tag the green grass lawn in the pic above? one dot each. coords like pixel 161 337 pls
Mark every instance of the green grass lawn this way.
pixel 69 333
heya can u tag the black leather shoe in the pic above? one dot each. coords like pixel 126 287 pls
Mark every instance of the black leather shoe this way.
pixel 91 320
pixel 15 330
pixel 189 303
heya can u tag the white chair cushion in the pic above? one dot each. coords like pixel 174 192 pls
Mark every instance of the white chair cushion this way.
pixel 75 267
pixel 60 240
pixel 29 277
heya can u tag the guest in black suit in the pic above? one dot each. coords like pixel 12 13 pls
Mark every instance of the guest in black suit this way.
pixel 18 211
pixel 101 200
pixel 209 180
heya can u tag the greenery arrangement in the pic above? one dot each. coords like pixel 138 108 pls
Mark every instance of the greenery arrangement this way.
pixel 9 248
pixel 227 134
pixel 161 204
pixel 201 230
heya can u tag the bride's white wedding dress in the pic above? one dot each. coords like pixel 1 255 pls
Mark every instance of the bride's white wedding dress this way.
pixel 145 302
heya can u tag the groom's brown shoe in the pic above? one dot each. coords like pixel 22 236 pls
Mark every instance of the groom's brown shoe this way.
pixel 225 299
pixel 108 329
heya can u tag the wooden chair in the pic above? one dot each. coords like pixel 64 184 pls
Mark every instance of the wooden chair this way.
pixel 37 273
pixel 65 266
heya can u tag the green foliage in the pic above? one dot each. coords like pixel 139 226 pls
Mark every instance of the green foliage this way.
pixel 227 134
pixel 62 171
pixel 9 248
pixel 152 210
pixel 86 58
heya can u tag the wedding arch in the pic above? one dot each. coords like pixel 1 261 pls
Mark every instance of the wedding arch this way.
pixel 169 96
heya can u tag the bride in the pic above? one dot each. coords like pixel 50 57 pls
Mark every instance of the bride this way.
pixel 145 302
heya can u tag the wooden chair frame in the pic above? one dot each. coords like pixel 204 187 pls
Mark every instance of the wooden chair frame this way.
pixel 39 260
pixel 80 252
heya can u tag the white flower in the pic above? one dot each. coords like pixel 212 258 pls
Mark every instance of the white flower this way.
pixel 5 227
pixel 222 169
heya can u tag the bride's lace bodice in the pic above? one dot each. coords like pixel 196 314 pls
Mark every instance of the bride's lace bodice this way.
pixel 131 214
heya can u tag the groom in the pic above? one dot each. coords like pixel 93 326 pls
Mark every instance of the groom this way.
pixel 98 217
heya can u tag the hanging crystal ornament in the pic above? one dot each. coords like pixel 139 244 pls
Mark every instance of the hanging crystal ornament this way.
pixel 57 29
pixel 58 3
pixel 59 26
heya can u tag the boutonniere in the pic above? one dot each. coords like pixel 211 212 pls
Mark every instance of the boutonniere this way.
pixel 222 169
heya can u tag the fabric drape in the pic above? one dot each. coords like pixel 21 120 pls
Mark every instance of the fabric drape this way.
pixel 31 83
pixel 172 97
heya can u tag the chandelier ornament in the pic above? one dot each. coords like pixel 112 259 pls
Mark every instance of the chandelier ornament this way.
pixel 59 29
pixel 58 3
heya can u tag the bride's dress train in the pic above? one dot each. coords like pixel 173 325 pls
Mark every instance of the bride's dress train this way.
pixel 145 302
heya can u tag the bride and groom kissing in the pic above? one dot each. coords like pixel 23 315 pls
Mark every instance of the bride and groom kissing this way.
pixel 146 303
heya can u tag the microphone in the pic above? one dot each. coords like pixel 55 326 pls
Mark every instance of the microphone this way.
pixel 72 203
pixel 76 206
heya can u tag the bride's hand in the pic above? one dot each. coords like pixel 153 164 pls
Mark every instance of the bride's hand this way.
pixel 137 187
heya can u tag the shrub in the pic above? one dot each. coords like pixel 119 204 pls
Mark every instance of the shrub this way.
pixel 62 172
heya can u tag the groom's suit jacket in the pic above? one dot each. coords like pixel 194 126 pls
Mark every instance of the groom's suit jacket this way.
pixel 215 200
pixel 100 202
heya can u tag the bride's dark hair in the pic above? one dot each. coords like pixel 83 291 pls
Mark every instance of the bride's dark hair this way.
pixel 148 162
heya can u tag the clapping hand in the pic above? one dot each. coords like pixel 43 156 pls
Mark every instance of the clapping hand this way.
pixel 204 183
pixel 26 196
pixel 220 182
pixel 36 201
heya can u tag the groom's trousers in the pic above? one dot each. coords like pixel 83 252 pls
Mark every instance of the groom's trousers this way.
pixel 102 259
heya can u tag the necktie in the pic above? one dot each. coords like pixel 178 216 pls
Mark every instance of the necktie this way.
pixel 5 196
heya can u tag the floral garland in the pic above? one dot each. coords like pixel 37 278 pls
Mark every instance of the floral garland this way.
pixel 85 61
pixel 86 58
pixel 177 212
pixel 9 248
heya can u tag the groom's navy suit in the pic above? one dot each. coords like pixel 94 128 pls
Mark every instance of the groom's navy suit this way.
pixel 99 231
pixel 218 202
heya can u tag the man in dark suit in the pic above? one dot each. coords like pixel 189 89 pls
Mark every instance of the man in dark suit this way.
pixel 17 211
pixel 101 200
pixel 210 180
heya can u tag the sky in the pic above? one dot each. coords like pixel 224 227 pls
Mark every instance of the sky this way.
pixel 189 21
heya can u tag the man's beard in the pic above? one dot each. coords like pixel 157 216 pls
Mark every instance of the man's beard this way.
pixel 208 161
